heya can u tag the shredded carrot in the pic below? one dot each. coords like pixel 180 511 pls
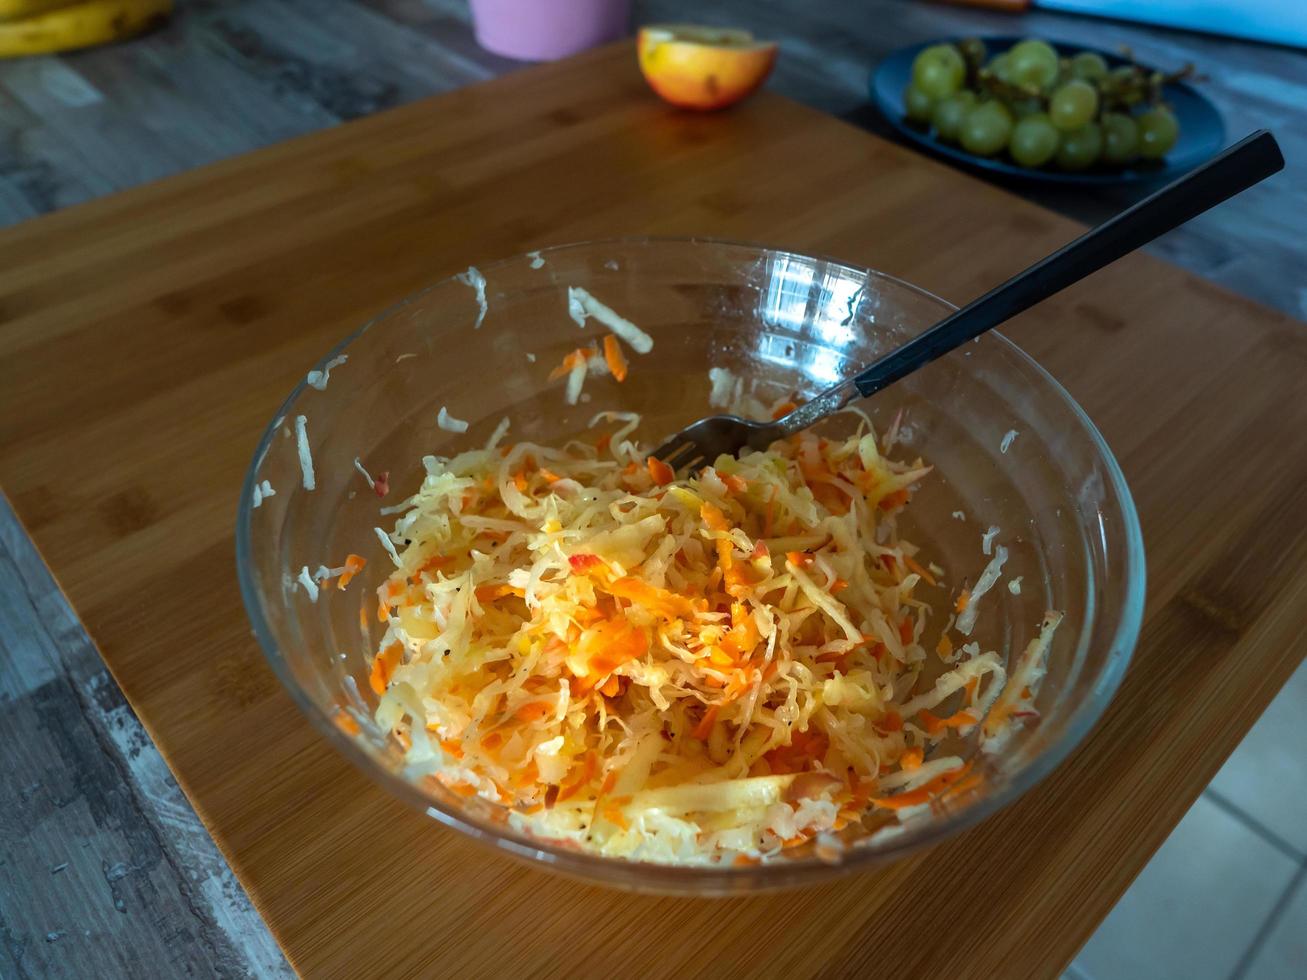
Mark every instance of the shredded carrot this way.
pixel 533 711
pixel 911 758
pixel 923 572
pixel 383 666
pixel 906 630
pixel 662 473
pixel 892 500
pixel 705 726
pixel 353 565
pixel 576 357
pixel 945 646
pixel 345 722
pixel 583 777
pixel 614 358
pixel 964 598
pixel 434 564
pixel 734 484
pixel 783 409
pixel 520 481
pixel 935 725
pixel 616 815
pixel 714 518
pixel 923 793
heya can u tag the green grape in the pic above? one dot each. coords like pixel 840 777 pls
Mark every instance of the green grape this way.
pixel 1033 63
pixel 1073 105
pixel 918 104
pixel 1080 148
pixel 1120 138
pixel 1125 83
pixel 1020 108
pixel 973 51
pixel 1158 131
pixel 1001 66
pixel 1034 141
pixel 1088 66
pixel 939 70
pixel 986 129
pixel 950 112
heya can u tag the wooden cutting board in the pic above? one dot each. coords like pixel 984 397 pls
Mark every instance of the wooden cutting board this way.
pixel 146 338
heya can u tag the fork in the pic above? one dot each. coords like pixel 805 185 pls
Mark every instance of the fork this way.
pixel 1252 159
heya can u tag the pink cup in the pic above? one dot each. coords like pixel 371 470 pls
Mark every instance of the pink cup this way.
pixel 544 30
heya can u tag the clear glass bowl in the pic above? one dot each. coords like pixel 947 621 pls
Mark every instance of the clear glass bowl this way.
pixel 787 323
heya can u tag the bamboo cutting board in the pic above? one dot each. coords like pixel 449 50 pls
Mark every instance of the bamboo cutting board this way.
pixel 146 338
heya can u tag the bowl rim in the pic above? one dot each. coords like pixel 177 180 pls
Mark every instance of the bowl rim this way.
pixel 726 878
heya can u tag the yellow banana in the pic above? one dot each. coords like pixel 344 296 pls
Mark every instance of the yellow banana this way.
pixel 18 9
pixel 80 25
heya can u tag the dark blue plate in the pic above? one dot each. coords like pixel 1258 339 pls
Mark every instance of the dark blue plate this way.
pixel 1202 132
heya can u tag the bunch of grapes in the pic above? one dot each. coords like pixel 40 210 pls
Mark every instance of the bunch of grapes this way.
pixel 1073 113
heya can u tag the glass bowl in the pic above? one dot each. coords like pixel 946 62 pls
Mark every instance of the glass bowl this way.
pixel 1010 450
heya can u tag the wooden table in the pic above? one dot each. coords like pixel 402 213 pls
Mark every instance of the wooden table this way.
pixel 228 76
pixel 148 336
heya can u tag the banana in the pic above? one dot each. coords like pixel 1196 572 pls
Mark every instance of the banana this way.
pixel 80 25
pixel 18 9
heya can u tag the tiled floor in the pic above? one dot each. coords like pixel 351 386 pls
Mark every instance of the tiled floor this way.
pixel 1225 898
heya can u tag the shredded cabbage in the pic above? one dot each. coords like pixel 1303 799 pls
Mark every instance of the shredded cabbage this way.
pixel 695 670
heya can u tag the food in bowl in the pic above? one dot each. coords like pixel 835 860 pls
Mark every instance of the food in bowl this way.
pixel 707 669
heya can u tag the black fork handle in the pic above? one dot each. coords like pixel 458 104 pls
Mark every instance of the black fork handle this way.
pixel 1237 168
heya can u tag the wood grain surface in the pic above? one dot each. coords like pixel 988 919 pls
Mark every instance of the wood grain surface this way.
pixel 146 338
pixel 228 76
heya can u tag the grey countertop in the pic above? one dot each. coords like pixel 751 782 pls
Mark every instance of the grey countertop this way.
pixel 104 868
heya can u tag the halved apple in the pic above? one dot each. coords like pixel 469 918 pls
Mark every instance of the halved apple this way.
pixel 703 67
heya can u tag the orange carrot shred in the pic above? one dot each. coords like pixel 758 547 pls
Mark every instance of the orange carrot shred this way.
pixel 923 572
pixel 892 500
pixel 614 358
pixel 906 631
pixel 783 409
pixel 662 473
pixel 353 565
pixel 705 726
pixel 383 667
pixel 533 711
